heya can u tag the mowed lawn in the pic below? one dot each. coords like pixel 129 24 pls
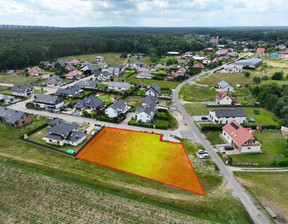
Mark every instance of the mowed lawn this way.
pixel 264 117
pixel 270 189
pixel 219 204
pixel 195 93
pixel 17 79
pixel 273 146
pixel 232 78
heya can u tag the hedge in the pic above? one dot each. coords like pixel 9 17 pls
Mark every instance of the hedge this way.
pixel 218 127
pixel 159 124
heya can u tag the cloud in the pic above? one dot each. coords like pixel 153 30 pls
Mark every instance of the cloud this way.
pixel 144 12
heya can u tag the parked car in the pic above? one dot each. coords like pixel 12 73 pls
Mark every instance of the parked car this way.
pixel 204 156
pixel 201 151
pixel 228 147
pixel 204 118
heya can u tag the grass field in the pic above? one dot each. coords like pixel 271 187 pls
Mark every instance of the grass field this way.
pixel 275 62
pixel 144 155
pixel 213 137
pixel 107 99
pixel 195 93
pixel 219 204
pixel 17 79
pixel 269 189
pixel 54 201
pixel 233 79
pixel 265 117
pixel 273 146
pixel 148 82
pixel 134 100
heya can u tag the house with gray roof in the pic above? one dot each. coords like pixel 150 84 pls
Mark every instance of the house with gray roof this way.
pixel 146 111
pixel 89 102
pixel 225 116
pixel 102 76
pixel 14 117
pixel 136 65
pixel 87 84
pixel 48 102
pixel 232 68
pixel 6 98
pixel 63 133
pixel 69 92
pixel 119 86
pixel 26 90
pixel 54 121
pixel 224 86
pixel 117 109
pixel 153 90
pixel 54 81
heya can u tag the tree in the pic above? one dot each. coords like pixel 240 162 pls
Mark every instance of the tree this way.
pixel 85 113
pixel 71 103
pixel 257 80
pixel 277 76
pixel 247 74
pixel 93 114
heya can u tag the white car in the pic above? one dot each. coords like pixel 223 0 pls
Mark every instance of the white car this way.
pixel 204 156
pixel 201 151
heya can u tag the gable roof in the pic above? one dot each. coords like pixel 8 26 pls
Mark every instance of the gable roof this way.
pixel 47 99
pixel 62 129
pixel 155 87
pixel 239 134
pixel 231 113
pixel 90 101
pixel 55 121
pixel 55 79
pixel 74 73
pixel 68 91
pixel 118 105
pixel 11 115
pixel 221 95
pixel 260 49
pixel 223 84
pixel 87 83
pixel 21 88
pixel 74 136
pixel 150 100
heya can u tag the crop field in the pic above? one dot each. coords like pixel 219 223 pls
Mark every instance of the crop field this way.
pixel 144 155
pixel 56 201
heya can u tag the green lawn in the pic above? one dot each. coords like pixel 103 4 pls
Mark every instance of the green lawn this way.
pixel 38 91
pixel 265 117
pixel 195 93
pixel 213 137
pixel 17 79
pixel 269 189
pixel 232 78
pixel 107 99
pixel 246 100
pixel 148 82
pixel 273 145
pixel 134 100
pixel 219 204
pixel 275 62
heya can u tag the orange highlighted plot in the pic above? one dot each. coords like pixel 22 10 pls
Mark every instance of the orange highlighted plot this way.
pixel 143 155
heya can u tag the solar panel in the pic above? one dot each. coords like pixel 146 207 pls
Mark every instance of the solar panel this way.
pixel 234 126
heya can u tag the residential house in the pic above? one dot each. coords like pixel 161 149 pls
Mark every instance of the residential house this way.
pixel 53 81
pixel 173 53
pixel 136 65
pixel 119 86
pixel 36 71
pixel 14 117
pixel 232 68
pixel 69 67
pixel 48 102
pixel 207 62
pixel 69 92
pixel 144 73
pixel 55 121
pixel 89 68
pixel 74 75
pixel 224 86
pixel 89 102
pixel 241 138
pixel 281 47
pixel 225 116
pixel 26 90
pixel 153 90
pixel 223 99
pixel 6 98
pixel 62 62
pixel 198 65
pixel 222 52
pixel 116 70
pixel 87 84
pixel 117 109
pixel 102 64
pixel 260 51
pixel 63 133
pixel 74 62
pixel 102 76
pixel 146 111
pixel 99 59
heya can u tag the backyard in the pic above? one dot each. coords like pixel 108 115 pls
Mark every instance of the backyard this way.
pixel 195 93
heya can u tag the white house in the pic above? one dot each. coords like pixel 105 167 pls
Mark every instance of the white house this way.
pixel 225 116
pixel 224 86
pixel 26 90
pixel 153 90
pixel 53 81
pixel 145 113
pixel 102 76
pixel 117 109
pixel 233 68
pixel 119 86
pixel 241 138
pixel 223 99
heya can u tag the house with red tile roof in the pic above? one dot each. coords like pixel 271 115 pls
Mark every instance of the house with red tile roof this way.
pixel 222 52
pixel 223 99
pixel 260 50
pixel 69 67
pixel 74 62
pixel 74 74
pixel 198 65
pixel 36 71
pixel 241 138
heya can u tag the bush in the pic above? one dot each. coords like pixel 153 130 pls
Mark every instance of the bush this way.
pixel 277 76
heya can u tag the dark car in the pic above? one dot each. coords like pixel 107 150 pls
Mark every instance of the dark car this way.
pixel 204 118
pixel 228 147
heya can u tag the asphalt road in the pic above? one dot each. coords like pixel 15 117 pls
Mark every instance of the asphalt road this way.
pixel 257 216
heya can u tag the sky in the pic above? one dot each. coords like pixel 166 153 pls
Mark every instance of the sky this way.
pixel 151 13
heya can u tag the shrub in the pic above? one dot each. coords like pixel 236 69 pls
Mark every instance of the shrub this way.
pixel 277 76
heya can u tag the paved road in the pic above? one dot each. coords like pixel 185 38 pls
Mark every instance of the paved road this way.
pixel 267 170
pixel 258 216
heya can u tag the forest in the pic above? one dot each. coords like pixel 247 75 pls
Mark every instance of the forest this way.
pixel 20 48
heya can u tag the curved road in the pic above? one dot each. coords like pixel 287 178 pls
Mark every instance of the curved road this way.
pixel 257 216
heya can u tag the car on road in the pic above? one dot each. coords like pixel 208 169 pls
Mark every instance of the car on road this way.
pixel 204 156
pixel 201 151
pixel 228 147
